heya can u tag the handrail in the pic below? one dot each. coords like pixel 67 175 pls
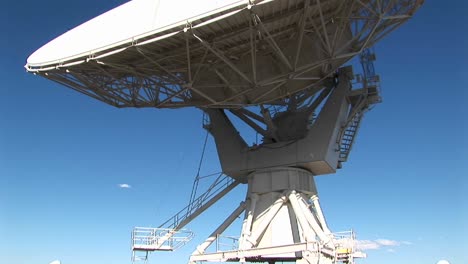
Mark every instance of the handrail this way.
pixel 221 186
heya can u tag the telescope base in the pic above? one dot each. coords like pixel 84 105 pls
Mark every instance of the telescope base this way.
pixel 283 222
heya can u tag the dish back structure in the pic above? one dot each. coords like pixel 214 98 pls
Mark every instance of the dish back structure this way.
pixel 244 53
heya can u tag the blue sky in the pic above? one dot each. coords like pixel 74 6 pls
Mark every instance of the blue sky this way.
pixel 63 155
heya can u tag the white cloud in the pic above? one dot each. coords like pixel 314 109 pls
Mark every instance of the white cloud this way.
pixel 379 244
pixel 387 242
pixel 367 244
pixel 125 186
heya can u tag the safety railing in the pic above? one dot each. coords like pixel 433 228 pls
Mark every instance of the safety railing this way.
pixel 151 239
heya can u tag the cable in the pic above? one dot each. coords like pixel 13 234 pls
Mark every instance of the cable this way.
pixel 197 177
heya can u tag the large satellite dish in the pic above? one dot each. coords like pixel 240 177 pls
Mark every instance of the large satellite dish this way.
pixel 277 66
pixel 222 54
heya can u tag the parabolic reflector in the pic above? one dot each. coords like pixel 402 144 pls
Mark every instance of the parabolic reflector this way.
pixel 220 54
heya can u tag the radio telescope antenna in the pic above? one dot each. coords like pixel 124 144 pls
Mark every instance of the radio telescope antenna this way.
pixel 277 66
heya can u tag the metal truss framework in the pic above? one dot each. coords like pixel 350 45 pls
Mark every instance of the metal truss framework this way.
pixel 219 61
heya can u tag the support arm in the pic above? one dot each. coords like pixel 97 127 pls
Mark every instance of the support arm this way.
pixel 232 149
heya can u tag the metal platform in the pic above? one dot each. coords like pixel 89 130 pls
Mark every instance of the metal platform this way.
pixel 343 251
pixel 150 239
pixel 146 239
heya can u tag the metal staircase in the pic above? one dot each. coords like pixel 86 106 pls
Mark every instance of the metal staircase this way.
pixel 348 136
pixel 169 236
pixel 362 98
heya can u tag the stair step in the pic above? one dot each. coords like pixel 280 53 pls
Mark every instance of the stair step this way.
pixel 348 136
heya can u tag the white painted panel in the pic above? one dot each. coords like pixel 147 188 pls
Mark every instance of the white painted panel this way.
pixel 121 24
